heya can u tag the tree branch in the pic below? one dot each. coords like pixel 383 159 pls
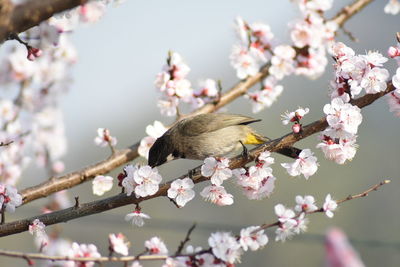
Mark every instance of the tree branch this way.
pixel 122 199
pixel 123 156
pixel 37 256
pixel 19 18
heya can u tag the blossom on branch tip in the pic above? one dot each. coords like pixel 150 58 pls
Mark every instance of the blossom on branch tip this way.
pixel 284 214
pixel 306 164
pixel 118 244
pixel 225 247
pixel 155 246
pixel 102 184
pixel 104 138
pixel 181 190
pixel 329 206
pixel 394 102
pixel 218 170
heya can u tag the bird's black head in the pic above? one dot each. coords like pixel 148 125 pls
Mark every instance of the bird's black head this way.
pixel 161 151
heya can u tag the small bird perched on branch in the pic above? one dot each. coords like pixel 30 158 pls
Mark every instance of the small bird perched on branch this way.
pixel 205 135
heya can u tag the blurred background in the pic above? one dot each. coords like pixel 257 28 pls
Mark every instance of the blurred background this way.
pixel 113 88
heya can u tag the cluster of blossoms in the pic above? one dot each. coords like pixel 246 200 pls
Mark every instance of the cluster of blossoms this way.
pixel 218 171
pixel 36 72
pixel 175 88
pixel 291 223
pixel 254 50
pixel 257 182
pixel 311 35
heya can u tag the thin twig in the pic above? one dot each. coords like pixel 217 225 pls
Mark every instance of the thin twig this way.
pixel 187 239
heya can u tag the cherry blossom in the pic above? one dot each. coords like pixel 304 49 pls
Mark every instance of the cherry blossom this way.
pixel 285 230
pixel 137 217
pixel 282 61
pixel 396 79
pixel 284 214
pixel 128 182
pixel 37 230
pixel 154 131
pixel 102 184
pixel 82 251
pixel 225 247
pixel 104 138
pixel 155 246
pixel 252 238
pixel 246 62
pixel 301 224
pixel 394 102
pixel 181 190
pixel 9 198
pixel 148 180
pixel 338 150
pixel 392 7
pixel 343 116
pixel 217 195
pixel 306 164
pixel 305 204
pixel 265 97
pixel 118 244
pixel 329 206
pixel 394 51
pixel 218 170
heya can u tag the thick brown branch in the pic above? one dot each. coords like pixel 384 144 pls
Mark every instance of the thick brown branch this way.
pixel 123 156
pixel 22 17
pixel 122 199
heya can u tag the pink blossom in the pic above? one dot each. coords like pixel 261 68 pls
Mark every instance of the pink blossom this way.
pixel 102 184
pixel 285 230
pixel 37 230
pixel 147 180
pixel 9 198
pixel 338 150
pixel 155 246
pixel 181 190
pixel 128 182
pixel 282 61
pixel 305 204
pixel 329 206
pixel 394 51
pixel 294 116
pixel 217 195
pixel 394 102
pixel 284 214
pixel 136 217
pixel 392 7
pixel 252 238
pixel 154 131
pixel 104 138
pixel 218 170
pixel 306 164
pixel 118 243
pixel 225 247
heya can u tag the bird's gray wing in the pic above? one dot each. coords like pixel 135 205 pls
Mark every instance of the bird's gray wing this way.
pixel 211 122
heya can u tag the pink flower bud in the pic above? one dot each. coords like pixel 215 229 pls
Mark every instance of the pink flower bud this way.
pixel 296 128
pixel 393 52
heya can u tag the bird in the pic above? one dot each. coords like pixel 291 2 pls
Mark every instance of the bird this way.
pixel 205 135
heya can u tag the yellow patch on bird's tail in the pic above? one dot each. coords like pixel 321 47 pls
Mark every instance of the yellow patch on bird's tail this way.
pixel 254 139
